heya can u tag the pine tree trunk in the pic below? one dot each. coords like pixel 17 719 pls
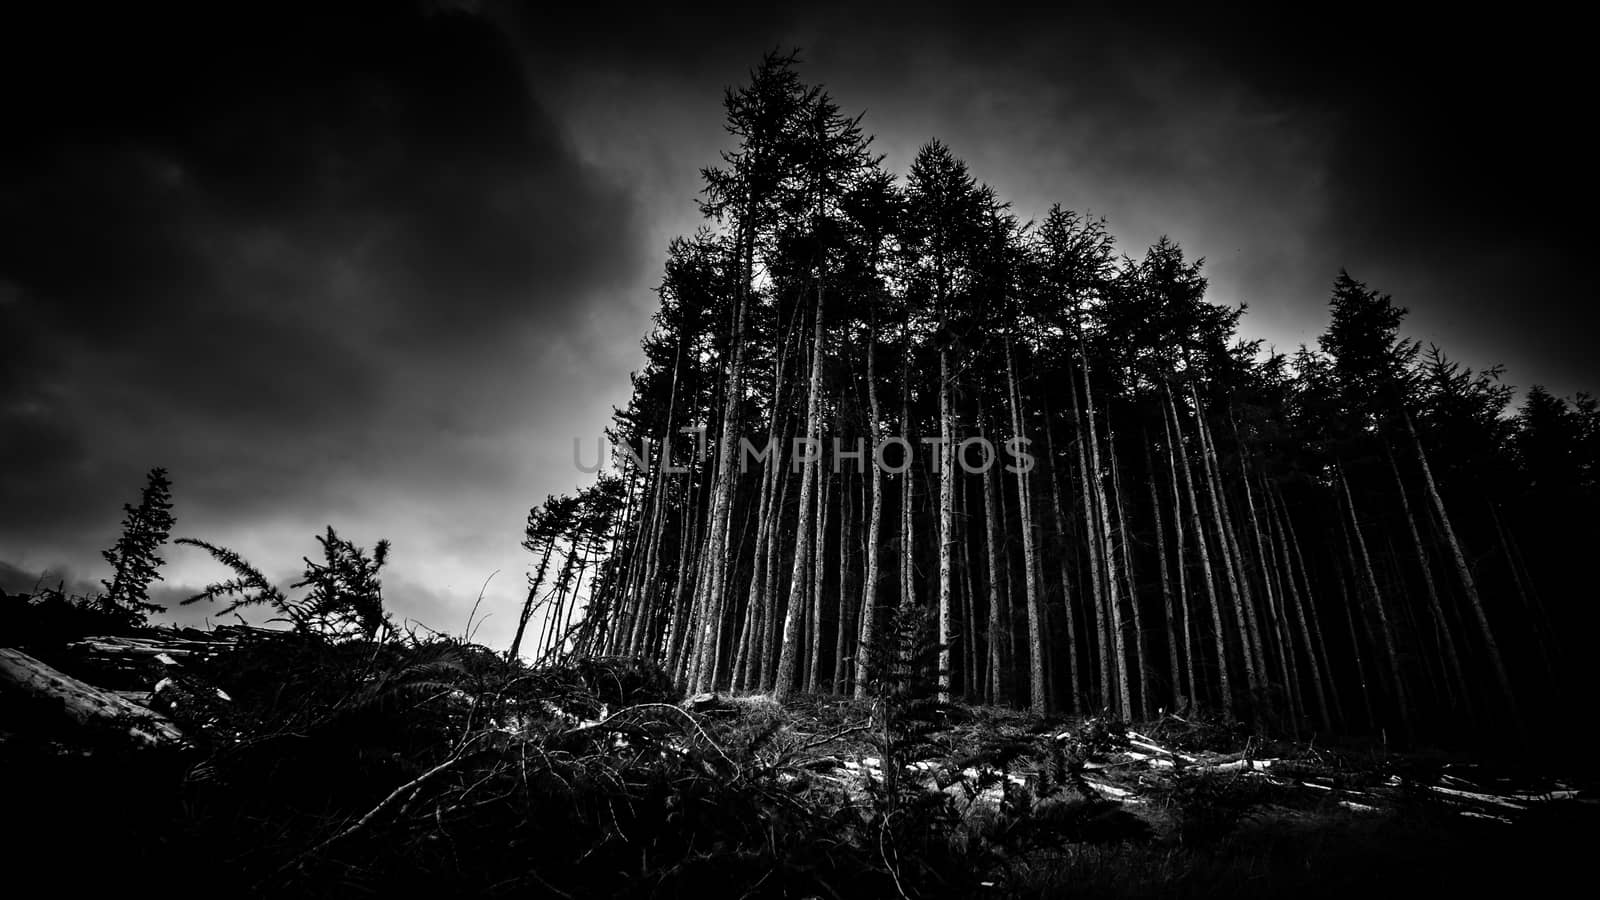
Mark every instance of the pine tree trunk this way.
pixel 1384 625
pixel 709 592
pixel 97 711
pixel 1166 583
pixel 788 652
pixel 1274 629
pixel 1311 611
pixel 819 577
pixel 844 631
pixel 969 619
pixel 1091 520
pixel 1141 652
pixel 531 601
pixel 772 637
pixel 1456 683
pixel 1036 683
pixel 748 673
pixel 1356 655
pixel 1468 583
pixel 999 615
pixel 1232 565
pixel 1117 665
pixel 1298 605
pixel 648 594
pixel 869 586
pixel 1278 600
pixel 1066 584
pixel 1223 681
pixel 908 587
pixel 552 621
pixel 757 600
pixel 1551 648
pixel 946 524
pixel 1189 649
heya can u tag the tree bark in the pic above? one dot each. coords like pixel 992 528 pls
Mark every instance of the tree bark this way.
pixel 869 585
pixel 787 654
pixel 83 704
pixel 1223 681
pixel 1060 520
pixel 1384 625
pixel 1037 697
pixel 1468 583
pixel 1166 583
pixel 946 524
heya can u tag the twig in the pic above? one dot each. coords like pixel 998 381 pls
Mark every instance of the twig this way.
pixel 692 720
pixel 467 635
pixel 830 738
pixel 883 852
pixel 396 796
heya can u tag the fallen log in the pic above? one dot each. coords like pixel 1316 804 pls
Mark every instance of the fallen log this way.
pixel 84 704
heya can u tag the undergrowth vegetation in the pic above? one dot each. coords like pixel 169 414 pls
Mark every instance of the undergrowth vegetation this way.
pixel 329 762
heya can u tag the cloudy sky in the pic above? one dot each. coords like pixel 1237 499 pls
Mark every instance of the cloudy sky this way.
pixel 378 268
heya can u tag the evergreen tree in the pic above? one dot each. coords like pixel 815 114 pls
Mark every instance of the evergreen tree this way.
pixel 133 558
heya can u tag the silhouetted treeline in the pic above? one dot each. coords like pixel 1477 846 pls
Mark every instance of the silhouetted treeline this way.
pixel 1356 536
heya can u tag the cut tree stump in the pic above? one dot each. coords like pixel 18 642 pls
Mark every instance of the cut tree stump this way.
pixel 84 704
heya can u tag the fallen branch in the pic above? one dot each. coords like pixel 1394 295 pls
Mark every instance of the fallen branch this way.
pixel 818 741
pixel 402 793
pixel 84 704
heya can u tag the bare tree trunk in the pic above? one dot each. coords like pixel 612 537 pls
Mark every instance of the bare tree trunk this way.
pixel 908 587
pixel 1166 582
pixel 1066 584
pixel 1037 696
pixel 1393 655
pixel 757 599
pixel 1311 610
pixel 1275 625
pixel 748 673
pixel 1009 591
pixel 1232 564
pixel 946 523
pixel 1091 521
pixel 1278 600
pixel 1468 583
pixel 709 592
pixel 1456 683
pixel 1107 550
pixel 844 632
pixel 648 594
pixel 1297 604
pixel 1357 657
pixel 84 704
pixel 772 637
pixel 969 623
pixel 1141 651
pixel 869 586
pixel 787 656
pixel 530 602
pixel 999 616
pixel 1223 681
pixel 552 621
pixel 1189 649
pixel 1554 662
pixel 818 577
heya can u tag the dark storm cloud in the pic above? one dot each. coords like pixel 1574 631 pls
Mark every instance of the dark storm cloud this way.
pixel 285 252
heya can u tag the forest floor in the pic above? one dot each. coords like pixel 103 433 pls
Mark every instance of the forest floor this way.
pixel 1197 808
pixel 344 769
